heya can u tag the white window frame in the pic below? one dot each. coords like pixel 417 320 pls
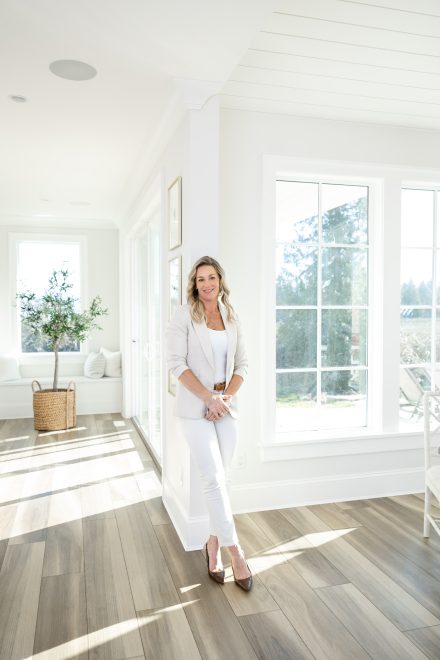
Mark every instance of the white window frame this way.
pixel 14 241
pixel 320 245
pixel 384 434
pixel 278 446
pixel 435 248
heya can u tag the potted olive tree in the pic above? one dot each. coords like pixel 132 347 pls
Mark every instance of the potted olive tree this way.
pixel 55 317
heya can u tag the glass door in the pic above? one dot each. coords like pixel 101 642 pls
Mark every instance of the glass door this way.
pixel 147 346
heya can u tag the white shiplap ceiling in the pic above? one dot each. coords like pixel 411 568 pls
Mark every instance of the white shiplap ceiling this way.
pixel 78 152
pixel 353 60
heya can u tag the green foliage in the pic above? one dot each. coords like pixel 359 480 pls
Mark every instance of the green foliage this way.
pixel 344 282
pixel 31 342
pixel 53 318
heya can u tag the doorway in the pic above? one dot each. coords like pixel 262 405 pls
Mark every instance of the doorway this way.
pixel 147 345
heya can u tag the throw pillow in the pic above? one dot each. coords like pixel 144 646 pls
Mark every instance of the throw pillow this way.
pixel 112 363
pixel 94 366
pixel 9 369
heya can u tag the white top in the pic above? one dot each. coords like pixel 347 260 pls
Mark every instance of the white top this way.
pixel 219 343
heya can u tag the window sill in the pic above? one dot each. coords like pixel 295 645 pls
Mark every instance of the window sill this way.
pixel 355 442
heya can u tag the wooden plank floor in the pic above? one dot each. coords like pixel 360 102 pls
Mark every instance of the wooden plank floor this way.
pixel 91 567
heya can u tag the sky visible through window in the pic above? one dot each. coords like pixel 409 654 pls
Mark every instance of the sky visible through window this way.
pixel 37 260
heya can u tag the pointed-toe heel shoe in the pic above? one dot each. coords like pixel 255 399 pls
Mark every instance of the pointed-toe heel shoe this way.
pixel 244 583
pixel 217 576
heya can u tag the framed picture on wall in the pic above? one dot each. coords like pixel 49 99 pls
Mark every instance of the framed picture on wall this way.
pixel 175 214
pixel 175 280
pixel 172 383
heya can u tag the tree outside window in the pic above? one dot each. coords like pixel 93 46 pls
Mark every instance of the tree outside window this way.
pixel 322 305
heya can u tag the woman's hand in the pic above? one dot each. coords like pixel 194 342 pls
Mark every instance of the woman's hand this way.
pixel 217 406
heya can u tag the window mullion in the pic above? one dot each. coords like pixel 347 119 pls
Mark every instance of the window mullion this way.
pixel 319 307
pixel 434 293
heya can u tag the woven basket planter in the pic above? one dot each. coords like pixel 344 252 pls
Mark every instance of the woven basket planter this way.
pixel 54 410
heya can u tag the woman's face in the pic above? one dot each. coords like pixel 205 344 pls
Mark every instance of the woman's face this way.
pixel 207 284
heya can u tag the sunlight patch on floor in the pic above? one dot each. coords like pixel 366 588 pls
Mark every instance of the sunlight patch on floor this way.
pixel 72 453
pixel 149 484
pixel 320 538
pixel 70 475
pixel 265 560
pixel 82 644
pixel 92 440
pixel 74 429
pixel 15 438
pixel 93 640
pixel 184 590
pixel 290 549
pixel 50 509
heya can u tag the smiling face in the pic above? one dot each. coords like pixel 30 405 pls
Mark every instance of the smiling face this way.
pixel 207 284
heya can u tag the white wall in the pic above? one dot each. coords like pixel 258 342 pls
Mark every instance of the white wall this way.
pixel 102 273
pixel 172 162
pixel 192 152
pixel 312 473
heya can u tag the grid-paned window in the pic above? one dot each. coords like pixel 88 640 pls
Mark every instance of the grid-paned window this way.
pixel 420 301
pixel 322 248
pixel 36 260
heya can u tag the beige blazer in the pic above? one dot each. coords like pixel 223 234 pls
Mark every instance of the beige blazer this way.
pixel 189 347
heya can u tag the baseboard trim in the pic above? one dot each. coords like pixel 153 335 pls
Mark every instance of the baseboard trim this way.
pixel 264 496
pixel 191 530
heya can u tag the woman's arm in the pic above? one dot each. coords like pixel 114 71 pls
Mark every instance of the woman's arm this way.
pixel 177 342
pixel 193 384
pixel 240 366
pixel 240 358
pixel 214 402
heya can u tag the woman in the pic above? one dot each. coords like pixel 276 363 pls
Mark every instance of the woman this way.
pixel 206 354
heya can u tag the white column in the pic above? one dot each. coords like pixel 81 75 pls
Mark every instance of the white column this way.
pixel 200 233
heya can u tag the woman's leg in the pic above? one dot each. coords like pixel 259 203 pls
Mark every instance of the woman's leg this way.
pixel 227 433
pixel 202 437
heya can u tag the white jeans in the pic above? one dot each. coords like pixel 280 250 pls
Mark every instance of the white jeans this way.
pixel 212 446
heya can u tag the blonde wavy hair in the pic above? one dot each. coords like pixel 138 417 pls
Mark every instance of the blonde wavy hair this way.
pixel 196 307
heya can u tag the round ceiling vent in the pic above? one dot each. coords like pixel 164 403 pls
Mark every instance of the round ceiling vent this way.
pixel 72 70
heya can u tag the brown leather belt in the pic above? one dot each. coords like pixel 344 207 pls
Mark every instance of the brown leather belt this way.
pixel 219 387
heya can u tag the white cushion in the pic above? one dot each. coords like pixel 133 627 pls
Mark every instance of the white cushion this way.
pixel 112 363
pixel 9 369
pixel 94 366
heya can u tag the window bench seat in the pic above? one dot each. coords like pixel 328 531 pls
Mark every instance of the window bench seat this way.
pixel 93 395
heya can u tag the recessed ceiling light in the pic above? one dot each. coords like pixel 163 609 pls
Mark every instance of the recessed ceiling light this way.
pixel 80 203
pixel 17 98
pixel 72 70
